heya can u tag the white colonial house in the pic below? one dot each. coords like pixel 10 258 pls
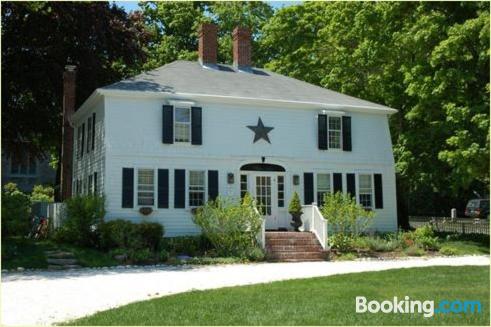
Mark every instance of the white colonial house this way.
pixel 172 138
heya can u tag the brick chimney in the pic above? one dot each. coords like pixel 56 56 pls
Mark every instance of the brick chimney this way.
pixel 69 81
pixel 207 47
pixel 242 48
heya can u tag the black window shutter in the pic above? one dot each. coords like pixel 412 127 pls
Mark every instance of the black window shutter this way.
pixel 167 124
pixel 379 197
pixel 351 184
pixel 179 188
pixel 93 131
pixel 83 141
pixel 95 184
pixel 212 184
pixel 196 127
pixel 163 188
pixel 346 133
pixel 337 182
pixel 322 132
pixel 128 177
pixel 308 188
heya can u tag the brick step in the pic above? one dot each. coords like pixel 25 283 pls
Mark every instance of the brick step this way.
pixel 292 242
pixel 289 235
pixel 294 248
pixel 296 255
pixel 296 260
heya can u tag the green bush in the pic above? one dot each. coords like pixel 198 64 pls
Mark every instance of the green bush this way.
pixel 42 193
pixel 423 237
pixel 414 251
pixel 141 255
pixel 163 255
pixel 448 250
pixel 256 254
pixel 189 245
pixel 345 217
pixel 380 244
pixel 232 227
pixel 346 257
pixel 341 242
pixel 213 260
pixel 295 208
pixel 127 235
pixel 83 216
pixel 16 208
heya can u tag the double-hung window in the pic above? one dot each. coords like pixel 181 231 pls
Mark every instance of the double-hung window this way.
pixel 334 132
pixel 182 124
pixel 146 184
pixel 196 188
pixel 323 187
pixel 365 190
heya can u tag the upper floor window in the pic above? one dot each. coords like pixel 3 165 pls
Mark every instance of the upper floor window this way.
pixel 365 190
pixel 23 164
pixel 334 132
pixel 182 124
pixel 145 187
pixel 323 187
pixel 196 188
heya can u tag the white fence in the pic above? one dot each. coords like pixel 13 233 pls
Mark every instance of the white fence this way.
pixel 56 213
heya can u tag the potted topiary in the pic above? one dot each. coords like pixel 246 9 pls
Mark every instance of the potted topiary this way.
pixel 295 209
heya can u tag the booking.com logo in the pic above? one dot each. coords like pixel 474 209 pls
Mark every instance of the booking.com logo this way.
pixel 427 307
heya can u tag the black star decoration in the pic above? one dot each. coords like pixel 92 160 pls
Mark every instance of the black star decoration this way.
pixel 260 131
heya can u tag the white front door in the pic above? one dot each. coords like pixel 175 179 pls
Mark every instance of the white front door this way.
pixel 265 191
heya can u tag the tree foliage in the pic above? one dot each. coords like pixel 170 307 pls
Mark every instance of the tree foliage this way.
pixel 38 40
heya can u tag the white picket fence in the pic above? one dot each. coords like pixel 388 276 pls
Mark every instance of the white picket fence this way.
pixel 56 213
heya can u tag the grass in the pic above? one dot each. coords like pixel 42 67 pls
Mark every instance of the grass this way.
pixel 315 301
pixel 26 253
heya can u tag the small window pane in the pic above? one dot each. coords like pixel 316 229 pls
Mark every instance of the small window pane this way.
pixel 281 193
pixel 365 190
pixel 183 115
pixel 145 187
pixel 243 186
pixel 196 188
pixel 335 132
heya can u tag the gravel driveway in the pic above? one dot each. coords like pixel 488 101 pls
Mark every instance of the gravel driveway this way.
pixel 43 298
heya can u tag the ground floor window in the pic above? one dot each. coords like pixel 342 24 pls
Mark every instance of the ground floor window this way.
pixel 196 188
pixel 365 190
pixel 281 191
pixel 323 187
pixel 145 187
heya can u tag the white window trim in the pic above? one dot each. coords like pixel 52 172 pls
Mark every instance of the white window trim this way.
pixel 188 180
pixel 358 188
pixel 340 133
pixel 182 105
pixel 135 188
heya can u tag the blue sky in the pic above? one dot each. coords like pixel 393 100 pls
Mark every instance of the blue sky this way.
pixel 133 5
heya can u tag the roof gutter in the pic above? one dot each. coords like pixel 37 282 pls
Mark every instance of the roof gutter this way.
pixel 233 99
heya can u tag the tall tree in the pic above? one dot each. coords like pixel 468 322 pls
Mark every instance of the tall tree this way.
pixel 38 40
pixel 429 60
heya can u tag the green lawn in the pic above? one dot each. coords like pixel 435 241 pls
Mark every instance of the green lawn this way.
pixel 316 301
pixel 20 252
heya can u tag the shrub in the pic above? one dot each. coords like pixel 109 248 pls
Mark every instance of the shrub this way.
pixel 127 235
pixel 345 216
pixel 256 254
pixel 346 257
pixel 188 245
pixel 141 255
pixel 163 255
pixel 213 261
pixel 449 250
pixel 16 208
pixel 84 214
pixel 230 226
pixel 424 237
pixel 380 244
pixel 295 208
pixel 414 251
pixel 42 193
pixel 341 242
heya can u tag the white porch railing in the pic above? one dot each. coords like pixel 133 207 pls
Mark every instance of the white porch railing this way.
pixel 314 222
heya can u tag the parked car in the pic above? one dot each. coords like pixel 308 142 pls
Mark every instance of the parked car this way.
pixel 477 208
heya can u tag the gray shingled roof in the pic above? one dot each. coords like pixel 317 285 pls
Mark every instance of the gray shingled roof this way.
pixel 190 77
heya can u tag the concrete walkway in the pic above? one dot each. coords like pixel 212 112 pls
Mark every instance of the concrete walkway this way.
pixel 43 298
